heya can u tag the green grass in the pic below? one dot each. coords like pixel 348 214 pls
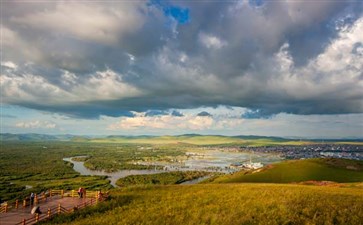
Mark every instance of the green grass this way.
pixel 338 170
pixel 225 204
pixel 205 140
pixel 349 143
pixel 40 164
pixel 162 140
pixel 201 140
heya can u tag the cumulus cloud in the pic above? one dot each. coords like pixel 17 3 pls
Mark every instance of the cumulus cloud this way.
pixel 94 22
pixel 170 122
pixel 110 59
pixel 105 85
pixel 211 41
pixel 9 65
pixel 36 124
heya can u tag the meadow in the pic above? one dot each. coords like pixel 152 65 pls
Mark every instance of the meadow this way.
pixel 244 197
pixel 225 204
pixel 337 170
pixel 40 165
pixel 199 140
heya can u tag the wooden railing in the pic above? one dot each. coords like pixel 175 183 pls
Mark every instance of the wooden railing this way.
pixel 56 192
pixel 38 198
pixel 43 197
pixel 4 207
pixel 9 205
pixel 93 199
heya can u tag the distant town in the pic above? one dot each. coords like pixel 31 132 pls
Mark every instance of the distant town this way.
pixel 312 151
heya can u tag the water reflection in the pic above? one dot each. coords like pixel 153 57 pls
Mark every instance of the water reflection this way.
pixel 195 181
pixel 212 161
pixel 113 177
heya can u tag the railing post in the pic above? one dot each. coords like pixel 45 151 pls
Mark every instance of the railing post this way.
pixel 50 193
pixel 16 203
pixel 6 207
pixel 62 193
pixel 24 221
pixel 49 212
pixel 36 217
pixel 24 203
pixel 59 208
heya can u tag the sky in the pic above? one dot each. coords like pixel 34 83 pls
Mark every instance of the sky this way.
pixel 250 67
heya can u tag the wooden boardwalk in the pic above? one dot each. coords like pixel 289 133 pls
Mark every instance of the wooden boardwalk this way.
pixel 49 207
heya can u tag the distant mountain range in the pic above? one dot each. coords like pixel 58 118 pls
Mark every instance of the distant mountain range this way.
pixel 35 137
pixel 70 137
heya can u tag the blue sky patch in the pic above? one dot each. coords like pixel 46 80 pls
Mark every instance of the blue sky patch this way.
pixel 181 15
pixel 256 3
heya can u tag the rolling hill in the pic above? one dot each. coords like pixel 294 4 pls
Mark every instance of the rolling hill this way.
pixel 193 139
pixel 227 204
pixel 34 137
pixel 231 200
pixel 337 170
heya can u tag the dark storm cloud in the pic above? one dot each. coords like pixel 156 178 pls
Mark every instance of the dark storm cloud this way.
pixel 151 113
pixel 256 114
pixel 156 113
pixel 204 113
pixel 177 113
pixel 91 59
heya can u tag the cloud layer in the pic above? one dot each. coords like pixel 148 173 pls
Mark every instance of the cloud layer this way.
pixel 91 59
pixel 36 124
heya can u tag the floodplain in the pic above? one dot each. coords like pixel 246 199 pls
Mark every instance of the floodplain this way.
pixel 316 191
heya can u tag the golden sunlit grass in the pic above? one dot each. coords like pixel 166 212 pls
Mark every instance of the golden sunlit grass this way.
pixel 338 170
pixel 227 204
pixel 208 140
pixel 195 140
pixel 231 202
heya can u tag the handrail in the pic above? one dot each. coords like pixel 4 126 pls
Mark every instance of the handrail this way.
pixel 43 197
pixel 51 212
pixel 4 207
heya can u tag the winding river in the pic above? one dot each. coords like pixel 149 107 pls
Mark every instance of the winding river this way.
pixel 113 177
pixel 212 161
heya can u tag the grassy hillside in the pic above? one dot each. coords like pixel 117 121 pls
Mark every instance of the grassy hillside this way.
pixel 226 204
pixel 338 170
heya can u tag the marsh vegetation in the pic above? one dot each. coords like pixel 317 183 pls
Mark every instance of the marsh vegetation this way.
pixel 238 198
